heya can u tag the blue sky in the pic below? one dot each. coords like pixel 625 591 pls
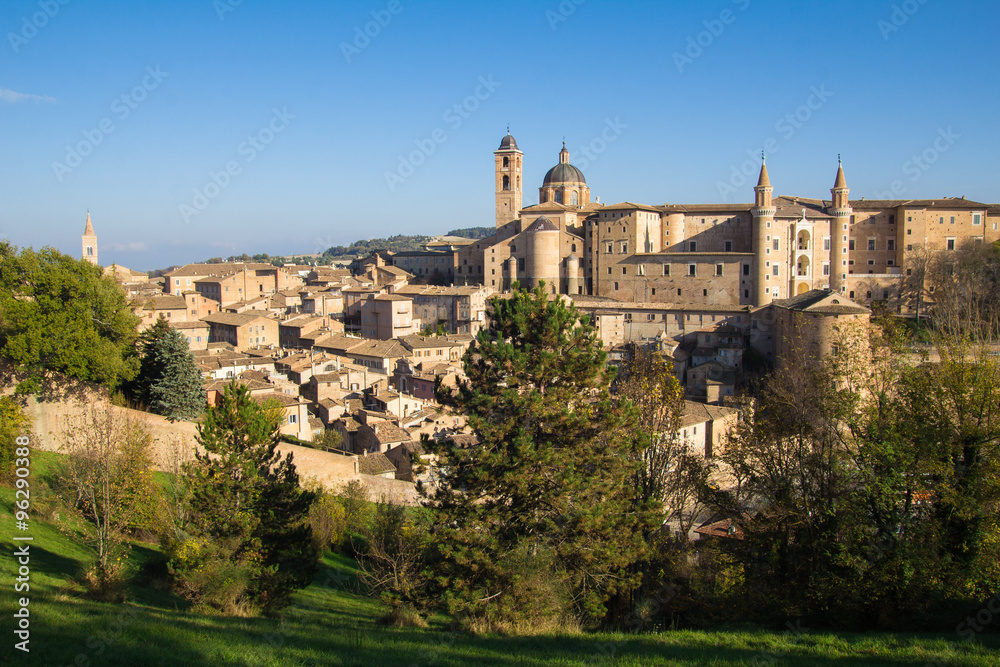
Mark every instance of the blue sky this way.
pixel 191 129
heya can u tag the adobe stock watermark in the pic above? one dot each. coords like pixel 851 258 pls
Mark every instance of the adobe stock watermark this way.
pixel 786 127
pixel 591 151
pixel 363 36
pixel 454 116
pixel 30 25
pixel 714 28
pixel 898 17
pixel 562 13
pixel 122 107
pixel 248 149
pixel 223 7
pixel 919 163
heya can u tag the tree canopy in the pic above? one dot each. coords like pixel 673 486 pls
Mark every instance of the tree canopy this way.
pixel 538 516
pixel 59 315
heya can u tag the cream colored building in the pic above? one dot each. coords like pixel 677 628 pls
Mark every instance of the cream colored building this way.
pixel 709 254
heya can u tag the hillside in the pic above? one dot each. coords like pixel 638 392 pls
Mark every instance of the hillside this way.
pixel 330 623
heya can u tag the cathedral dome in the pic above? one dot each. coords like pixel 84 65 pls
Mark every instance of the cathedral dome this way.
pixel 564 172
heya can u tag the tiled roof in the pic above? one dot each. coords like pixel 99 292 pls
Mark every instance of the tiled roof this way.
pixel 387 432
pixel 234 319
pixel 821 301
pixel 375 464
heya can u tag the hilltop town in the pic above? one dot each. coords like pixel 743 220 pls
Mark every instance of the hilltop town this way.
pixel 715 289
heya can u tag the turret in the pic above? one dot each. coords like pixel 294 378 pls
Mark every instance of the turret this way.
pixel 763 217
pixel 839 230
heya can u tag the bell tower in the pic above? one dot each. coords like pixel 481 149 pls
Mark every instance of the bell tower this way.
pixel 509 161
pixel 89 240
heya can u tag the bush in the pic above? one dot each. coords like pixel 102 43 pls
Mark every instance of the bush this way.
pixel 329 521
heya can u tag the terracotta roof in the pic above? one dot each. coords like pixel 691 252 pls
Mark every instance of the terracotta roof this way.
pixel 821 301
pixel 165 302
pixel 944 202
pixel 723 529
pixel 235 319
pixel 375 464
pixel 387 432
pixel 630 206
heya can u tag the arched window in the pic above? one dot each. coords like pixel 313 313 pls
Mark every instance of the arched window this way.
pixel 559 197
pixel 506 162
pixel 506 181
pixel 575 198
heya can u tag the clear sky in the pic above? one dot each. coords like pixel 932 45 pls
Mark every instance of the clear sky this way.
pixel 196 128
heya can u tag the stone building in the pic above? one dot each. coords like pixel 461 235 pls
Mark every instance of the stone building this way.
pixel 709 254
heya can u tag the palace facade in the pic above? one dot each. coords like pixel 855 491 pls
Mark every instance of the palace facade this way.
pixel 709 254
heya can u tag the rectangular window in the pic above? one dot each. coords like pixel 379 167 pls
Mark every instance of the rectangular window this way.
pixel 850 245
pixel 953 220
pixel 826 243
pixel 728 246
pixel 890 244
pixel 892 219
pixel 777 244
pixel 871 262
pixel 616 286
pixel 826 269
pixel 941 220
pixel 693 246
pixel 871 244
pixel 909 248
pixel 774 269
pixel 642 270
pixel 977 219
pixel 611 248
pixel 624 247
pixel 746 269
pixel 666 269
pixel 718 269
pixel 692 269
pixel 951 244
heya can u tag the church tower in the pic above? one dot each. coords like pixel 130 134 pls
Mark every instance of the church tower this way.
pixel 841 211
pixel 509 161
pixel 763 218
pixel 89 239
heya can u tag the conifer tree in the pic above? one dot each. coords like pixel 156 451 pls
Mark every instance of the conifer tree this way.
pixel 537 520
pixel 176 390
pixel 246 500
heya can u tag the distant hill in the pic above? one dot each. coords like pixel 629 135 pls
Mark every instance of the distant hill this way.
pixel 473 232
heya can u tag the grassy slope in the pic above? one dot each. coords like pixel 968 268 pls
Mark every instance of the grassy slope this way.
pixel 329 625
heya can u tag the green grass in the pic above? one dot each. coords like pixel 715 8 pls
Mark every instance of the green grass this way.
pixel 329 624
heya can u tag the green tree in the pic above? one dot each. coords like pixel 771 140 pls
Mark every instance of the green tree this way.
pixel 247 507
pixel 536 523
pixel 58 315
pixel 169 381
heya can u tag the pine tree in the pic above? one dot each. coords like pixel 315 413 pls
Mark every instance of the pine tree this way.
pixel 537 520
pixel 176 392
pixel 247 503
